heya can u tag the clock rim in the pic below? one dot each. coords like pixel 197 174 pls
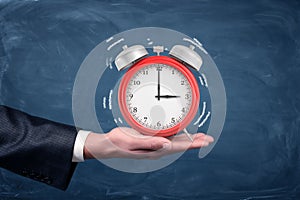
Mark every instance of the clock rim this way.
pixel 158 60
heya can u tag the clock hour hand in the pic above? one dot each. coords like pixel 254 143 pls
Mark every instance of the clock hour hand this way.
pixel 167 96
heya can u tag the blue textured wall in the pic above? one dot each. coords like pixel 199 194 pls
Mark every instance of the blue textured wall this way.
pixel 255 44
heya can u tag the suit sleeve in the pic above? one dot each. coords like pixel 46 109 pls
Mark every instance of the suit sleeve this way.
pixel 36 148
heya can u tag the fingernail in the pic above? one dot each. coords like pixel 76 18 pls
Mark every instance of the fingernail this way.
pixel 166 145
pixel 209 138
pixel 205 144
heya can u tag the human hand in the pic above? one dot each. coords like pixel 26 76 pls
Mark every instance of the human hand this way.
pixel 128 143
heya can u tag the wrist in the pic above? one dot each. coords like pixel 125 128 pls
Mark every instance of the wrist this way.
pixel 98 146
pixel 86 153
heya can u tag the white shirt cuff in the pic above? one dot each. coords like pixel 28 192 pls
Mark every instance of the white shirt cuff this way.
pixel 79 145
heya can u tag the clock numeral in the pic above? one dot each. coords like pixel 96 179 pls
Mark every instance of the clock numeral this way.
pixel 136 82
pixel 134 109
pixel 182 83
pixel 159 68
pixel 145 119
pixel 158 124
pixel 183 110
pixel 173 72
pixel 130 96
pixel 145 72
pixel 173 120
pixel 187 96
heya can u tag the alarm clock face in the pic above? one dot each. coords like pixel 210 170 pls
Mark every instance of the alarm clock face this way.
pixel 158 96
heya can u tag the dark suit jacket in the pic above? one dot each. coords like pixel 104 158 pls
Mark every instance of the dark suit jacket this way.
pixel 36 148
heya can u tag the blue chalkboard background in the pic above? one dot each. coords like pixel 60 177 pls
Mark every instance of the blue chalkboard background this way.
pixel 255 44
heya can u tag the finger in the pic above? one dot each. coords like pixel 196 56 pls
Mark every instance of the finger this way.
pixel 182 143
pixel 208 138
pixel 179 144
pixel 151 154
pixel 201 141
pixel 152 143
pixel 197 136
pixel 184 137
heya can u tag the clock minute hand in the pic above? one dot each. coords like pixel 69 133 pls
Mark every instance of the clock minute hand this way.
pixel 167 96
pixel 158 85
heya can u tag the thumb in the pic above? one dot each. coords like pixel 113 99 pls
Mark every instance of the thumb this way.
pixel 151 143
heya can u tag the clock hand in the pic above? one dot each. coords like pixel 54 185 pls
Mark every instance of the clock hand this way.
pixel 158 85
pixel 167 96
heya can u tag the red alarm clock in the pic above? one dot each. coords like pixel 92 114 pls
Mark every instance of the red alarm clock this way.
pixel 158 95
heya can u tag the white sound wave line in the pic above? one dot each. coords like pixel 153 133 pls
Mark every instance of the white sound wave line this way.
pixel 196 44
pixel 116 121
pixel 197 41
pixel 110 62
pixel 110 99
pixel 115 43
pixel 201 81
pixel 202 113
pixel 205 79
pixel 104 102
pixel 109 39
pixel 205 119
pixel 120 120
pixel 106 62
